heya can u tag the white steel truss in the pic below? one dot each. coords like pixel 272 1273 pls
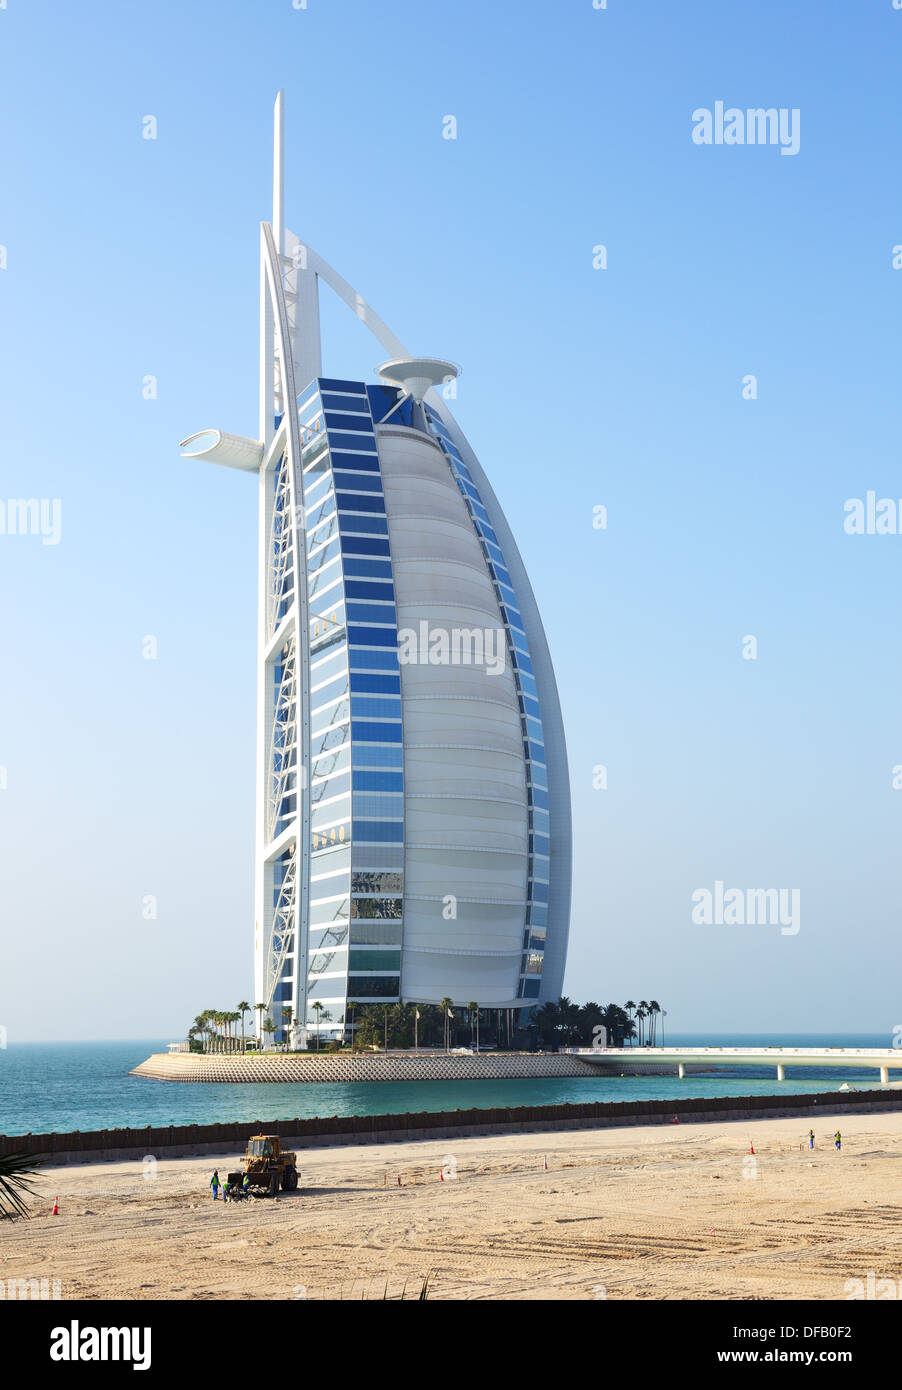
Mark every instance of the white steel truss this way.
pixel 283 927
pixel 282 578
pixel 283 761
pixel 284 731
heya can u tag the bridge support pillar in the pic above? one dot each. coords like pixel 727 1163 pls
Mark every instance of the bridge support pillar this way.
pixel 884 1075
pixel 681 1070
pixel 781 1072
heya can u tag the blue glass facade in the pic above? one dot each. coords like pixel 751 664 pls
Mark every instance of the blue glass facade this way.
pixel 357 778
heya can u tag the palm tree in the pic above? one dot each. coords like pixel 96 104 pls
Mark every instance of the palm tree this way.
pixel 569 1020
pixel 445 1006
pixel 547 1019
pixel 352 1005
pixel 642 1015
pixel 258 1009
pixel 269 1028
pixel 243 1008
pixel 590 1018
pixel 630 1007
pixel 654 1009
pixel 317 1009
pixel 287 1015
pixel 473 1011
pixel 16 1173
pixel 617 1024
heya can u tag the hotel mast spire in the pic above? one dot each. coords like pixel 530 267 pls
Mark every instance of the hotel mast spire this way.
pixel 278 174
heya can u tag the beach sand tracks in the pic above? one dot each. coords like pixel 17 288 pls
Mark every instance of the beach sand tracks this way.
pixel 628 1214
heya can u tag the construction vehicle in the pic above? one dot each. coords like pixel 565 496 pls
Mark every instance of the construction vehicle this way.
pixel 267 1166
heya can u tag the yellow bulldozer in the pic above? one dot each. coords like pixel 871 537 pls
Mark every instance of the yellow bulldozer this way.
pixel 266 1165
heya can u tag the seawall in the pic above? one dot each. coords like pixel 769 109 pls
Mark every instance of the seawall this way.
pixel 185 1141
pixel 337 1066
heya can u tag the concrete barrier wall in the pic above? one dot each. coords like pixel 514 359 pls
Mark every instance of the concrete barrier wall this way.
pixel 181 1141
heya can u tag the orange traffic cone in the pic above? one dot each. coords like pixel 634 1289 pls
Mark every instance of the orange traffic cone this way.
pixel 441 1175
pixel 751 1147
pixel 56 1207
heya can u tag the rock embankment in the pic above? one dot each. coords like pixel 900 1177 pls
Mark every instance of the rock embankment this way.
pixel 332 1067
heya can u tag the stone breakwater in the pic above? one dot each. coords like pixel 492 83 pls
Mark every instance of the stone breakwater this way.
pixel 332 1067
pixel 180 1141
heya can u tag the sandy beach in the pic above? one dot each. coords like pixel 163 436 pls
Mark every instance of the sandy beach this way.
pixel 665 1212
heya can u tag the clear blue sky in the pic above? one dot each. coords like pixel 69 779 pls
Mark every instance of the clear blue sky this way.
pixel 128 257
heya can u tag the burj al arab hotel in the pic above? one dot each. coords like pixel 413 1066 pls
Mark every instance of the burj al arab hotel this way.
pixel 413 806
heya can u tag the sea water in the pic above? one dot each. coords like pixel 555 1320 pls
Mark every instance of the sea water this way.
pixel 62 1086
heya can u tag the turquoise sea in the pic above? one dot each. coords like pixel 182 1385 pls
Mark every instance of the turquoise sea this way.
pixel 61 1086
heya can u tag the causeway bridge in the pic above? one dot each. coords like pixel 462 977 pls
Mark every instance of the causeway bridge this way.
pixel 698 1059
